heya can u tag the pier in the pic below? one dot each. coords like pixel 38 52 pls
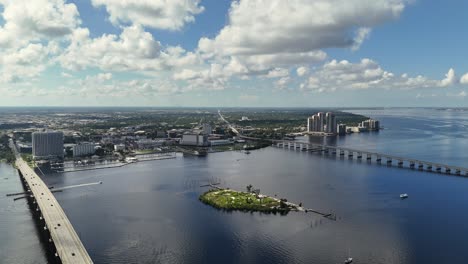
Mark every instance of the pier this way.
pixel 369 156
pixel 62 237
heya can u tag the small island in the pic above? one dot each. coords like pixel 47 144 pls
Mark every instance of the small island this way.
pixel 251 200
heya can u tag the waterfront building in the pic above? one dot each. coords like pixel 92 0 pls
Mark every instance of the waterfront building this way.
pixel 371 124
pixel 218 142
pixel 341 130
pixel 149 143
pixel 194 139
pixel 321 122
pixel 84 149
pixel 47 145
pixel 331 123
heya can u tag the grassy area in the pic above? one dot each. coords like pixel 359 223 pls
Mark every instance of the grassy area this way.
pixel 242 201
pixel 6 154
pixel 29 159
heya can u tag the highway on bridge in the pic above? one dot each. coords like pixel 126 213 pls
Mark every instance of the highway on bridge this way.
pixel 68 245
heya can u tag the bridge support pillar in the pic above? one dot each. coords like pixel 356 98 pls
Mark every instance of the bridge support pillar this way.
pixel 400 163
pixel 359 155
pixel 341 152
pixel 420 166
pixel 447 170
pixel 379 159
pixel 389 161
pixel 411 165
pixel 368 157
pixel 350 154
pixel 429 167
pixel 438 169
pixel 457 172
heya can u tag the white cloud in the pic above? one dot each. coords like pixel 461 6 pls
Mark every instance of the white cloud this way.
pixel 283 82
pixel 278 73
pixel 27 20
pixel 133 50
pixel 31 34
pixel 298 26
pixel 161 14
pixel 361 35
pixel 450 79
pixel 464 79
pixel 366 74
pixel 301 71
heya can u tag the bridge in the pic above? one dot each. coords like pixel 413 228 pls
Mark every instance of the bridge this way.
pixel 369 156
pixel 62 236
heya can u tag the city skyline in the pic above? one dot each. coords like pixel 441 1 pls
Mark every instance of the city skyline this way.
pixel 233 53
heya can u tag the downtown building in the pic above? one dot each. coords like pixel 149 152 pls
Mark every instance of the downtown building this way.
pixel 84 149
pixel 47 145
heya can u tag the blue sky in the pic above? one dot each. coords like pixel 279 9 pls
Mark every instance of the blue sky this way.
pixel 233 53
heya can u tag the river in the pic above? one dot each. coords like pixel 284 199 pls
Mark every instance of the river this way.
pixel 149 212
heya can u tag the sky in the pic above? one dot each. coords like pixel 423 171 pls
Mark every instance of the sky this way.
pixel 265 53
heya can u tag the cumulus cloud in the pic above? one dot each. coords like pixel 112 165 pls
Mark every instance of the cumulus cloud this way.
pixel 133 50
pixel 450 79
pixel 298 26
pixel 301 71
pixel 30 34
pixel 366 74
pixel 161 14
pixel 130 50
pixel 34 20
pixel 464 79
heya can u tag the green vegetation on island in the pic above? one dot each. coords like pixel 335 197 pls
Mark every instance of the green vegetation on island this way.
pixel 244 201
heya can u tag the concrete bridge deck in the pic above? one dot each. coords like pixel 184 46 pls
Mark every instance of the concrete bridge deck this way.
pixel 369 155
pixel 68 246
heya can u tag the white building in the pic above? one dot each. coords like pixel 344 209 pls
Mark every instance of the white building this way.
pixel 371 124
pixel 84 149
pixel 47 145
pixel 322 122
pixel 219 142
pixel 194 140
pixel 149 143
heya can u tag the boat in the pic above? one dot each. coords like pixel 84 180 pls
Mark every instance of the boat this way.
pixel 348 260
pixel 403 196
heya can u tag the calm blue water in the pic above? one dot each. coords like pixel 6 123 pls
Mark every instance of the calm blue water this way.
pixel 149 213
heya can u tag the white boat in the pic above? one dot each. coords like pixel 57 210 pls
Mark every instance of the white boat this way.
pixel 403 196
pixel 349 260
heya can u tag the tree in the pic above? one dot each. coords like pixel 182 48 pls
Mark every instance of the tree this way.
pixel 249 188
